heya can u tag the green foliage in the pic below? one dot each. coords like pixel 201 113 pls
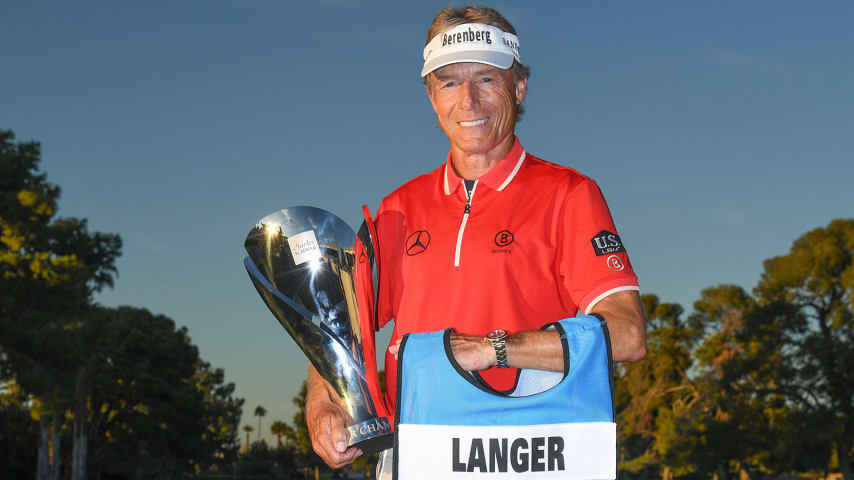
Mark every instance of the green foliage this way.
pixel 654 394
pixel 49 267
pixel 221 414
pixel 18 434
pixel 760 383
pixel 816 278
pixel 156 406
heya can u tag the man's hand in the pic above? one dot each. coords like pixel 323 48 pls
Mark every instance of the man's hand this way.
pixel 327 423
pixel 470 351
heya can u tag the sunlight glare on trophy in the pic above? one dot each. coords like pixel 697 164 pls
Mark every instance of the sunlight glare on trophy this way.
pixel 272 230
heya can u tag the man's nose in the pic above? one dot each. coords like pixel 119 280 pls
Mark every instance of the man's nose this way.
pixel 468 95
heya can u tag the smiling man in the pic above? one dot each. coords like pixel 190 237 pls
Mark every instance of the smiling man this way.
pixel 495 242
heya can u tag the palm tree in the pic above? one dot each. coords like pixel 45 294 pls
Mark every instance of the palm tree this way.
pixel 278 428
pixel 247 429
pixel 260 412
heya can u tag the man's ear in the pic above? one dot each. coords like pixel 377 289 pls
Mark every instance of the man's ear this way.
pixel 521 90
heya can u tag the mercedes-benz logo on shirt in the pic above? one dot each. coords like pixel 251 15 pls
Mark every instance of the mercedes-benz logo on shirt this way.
pixel 417 242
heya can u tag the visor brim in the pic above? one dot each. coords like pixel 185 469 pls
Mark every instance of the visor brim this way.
pixel 489 57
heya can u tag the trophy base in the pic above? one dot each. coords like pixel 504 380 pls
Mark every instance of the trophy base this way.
pixel 371 436
pixel 373 445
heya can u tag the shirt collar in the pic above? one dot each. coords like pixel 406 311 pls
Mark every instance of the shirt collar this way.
pixel 497 178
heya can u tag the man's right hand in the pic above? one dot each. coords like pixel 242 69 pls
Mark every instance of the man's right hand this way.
pixel 327 423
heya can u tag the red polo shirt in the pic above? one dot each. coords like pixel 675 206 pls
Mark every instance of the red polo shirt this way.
pixel 535 244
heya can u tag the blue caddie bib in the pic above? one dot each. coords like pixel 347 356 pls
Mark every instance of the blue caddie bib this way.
pixel 449 424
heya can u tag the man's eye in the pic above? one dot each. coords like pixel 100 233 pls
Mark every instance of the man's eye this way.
pixel 486 79
pixel 450 84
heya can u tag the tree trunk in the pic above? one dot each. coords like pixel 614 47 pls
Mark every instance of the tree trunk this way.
pixel 666 473
pixel 723 472
pixel 56 451
pixel 316 472
pixel 843 446
pixel 43 465
pixel 50 448
pixel 81 425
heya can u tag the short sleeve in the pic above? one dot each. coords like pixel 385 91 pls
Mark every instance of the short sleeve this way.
pixel 592 260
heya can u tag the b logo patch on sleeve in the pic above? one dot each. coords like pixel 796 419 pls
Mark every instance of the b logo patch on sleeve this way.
pixel 606 242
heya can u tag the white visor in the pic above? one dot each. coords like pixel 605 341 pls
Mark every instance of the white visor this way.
pixel 471 42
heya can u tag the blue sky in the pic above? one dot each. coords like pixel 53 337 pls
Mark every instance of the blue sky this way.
pixel 718 131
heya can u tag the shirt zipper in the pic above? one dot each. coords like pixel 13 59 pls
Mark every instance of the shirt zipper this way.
pixel 466 213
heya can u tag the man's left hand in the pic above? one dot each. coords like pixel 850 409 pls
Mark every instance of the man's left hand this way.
pixel 470 351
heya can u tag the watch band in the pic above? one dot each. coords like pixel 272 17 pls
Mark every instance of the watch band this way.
pixel 498 339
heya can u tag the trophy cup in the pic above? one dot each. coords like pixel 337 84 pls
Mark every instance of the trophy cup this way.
pixel 318 278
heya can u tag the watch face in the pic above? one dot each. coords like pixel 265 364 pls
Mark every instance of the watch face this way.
pixel 496 334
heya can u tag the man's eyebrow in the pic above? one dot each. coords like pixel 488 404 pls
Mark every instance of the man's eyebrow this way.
pixel 443 77
pixel 485 71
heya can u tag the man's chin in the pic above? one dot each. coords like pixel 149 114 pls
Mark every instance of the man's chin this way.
pixel 475 146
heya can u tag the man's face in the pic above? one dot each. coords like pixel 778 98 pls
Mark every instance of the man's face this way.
pixel 476 104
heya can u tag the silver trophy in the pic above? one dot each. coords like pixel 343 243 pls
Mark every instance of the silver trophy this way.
pixel 319 280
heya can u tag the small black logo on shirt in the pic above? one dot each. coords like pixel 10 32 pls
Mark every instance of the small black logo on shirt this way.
pixel 417 242
pixel 606 242
pixel 504 238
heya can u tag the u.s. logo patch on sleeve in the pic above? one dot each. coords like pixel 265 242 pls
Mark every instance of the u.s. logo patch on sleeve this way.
pixel 606 242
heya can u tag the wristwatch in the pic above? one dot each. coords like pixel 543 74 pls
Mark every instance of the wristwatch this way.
pixel 498 339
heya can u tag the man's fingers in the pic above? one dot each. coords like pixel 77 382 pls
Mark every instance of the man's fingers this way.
pixel 340 434
pixel 331 437
pixel 393 349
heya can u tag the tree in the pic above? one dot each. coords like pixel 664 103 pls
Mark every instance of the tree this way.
pixel 222 412
pixel 260 412
pixel 279 428
pixel 49 268
pixel 728 421
pixel 157 410
pixel 654 393
pixel 248 429
pixel 817 278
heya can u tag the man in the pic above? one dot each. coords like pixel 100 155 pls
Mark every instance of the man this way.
pixel 495 238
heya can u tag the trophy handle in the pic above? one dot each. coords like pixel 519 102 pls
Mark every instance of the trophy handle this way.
pixel 367 253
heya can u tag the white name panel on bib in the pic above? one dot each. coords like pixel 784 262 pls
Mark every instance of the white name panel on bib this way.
pixel 304 247
pixel 556 451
